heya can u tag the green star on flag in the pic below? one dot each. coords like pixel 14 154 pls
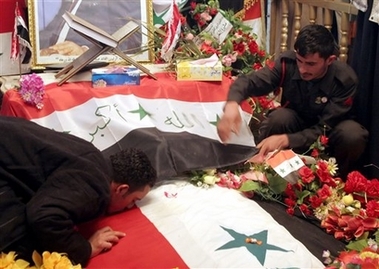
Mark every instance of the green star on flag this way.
pixel 215 122
pixel 142 112
pixel 258 250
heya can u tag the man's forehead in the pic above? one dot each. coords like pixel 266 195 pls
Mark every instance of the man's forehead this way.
pixel 309 58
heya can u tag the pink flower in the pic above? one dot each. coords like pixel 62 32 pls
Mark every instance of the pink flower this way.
pixel 32 90
pixel 189 36
pixel 205 16
pixel 228 59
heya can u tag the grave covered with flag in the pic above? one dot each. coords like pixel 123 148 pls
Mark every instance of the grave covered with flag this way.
pixel 174 122
pixel 179 225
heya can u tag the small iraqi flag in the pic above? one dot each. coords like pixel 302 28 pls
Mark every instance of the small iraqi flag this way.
pixel 173 32
pixel 20 39
pixel 286 163
pixel 253 18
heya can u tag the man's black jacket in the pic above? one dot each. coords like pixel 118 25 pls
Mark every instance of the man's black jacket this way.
pixel 49 183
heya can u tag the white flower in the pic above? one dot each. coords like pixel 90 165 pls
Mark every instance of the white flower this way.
pixel 210 180
pixel 372 244
pixel 332 166
pixel 326 254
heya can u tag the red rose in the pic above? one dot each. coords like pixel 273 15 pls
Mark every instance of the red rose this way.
pixel 304 208
pixel 239 48
pixel 208 49
pixel 324 140
pixel 290 211
pixel 253 47
pixel 324 192
pixel 261 53
pixel 315 201
pixel 213 11
pixel 290 202
pixel 306 174
pixel 315 153
pixel 257 66
pixel 289 191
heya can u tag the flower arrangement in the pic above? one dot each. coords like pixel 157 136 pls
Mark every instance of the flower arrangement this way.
pixel 238 50
pixel 347 209
pixel 48 260
pixel 32 90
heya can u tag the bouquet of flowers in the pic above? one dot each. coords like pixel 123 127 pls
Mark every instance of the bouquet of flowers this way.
pixel 236 47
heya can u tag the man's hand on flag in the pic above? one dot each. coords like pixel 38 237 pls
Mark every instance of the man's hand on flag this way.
pixel 230 122
pixel 270 144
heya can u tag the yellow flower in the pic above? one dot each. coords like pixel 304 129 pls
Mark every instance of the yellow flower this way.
pixel 368 254
pixel 53 260
pixel 348 199
pixel 8 261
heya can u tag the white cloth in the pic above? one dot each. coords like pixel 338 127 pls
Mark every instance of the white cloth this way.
pixel 374 15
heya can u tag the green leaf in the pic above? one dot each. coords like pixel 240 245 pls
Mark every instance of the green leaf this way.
pixel 302 195
pixel 250 185
pixel 357 245
pixel 277 183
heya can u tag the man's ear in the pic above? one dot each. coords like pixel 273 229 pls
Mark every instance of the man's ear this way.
pixel 122 189
pixel 331 59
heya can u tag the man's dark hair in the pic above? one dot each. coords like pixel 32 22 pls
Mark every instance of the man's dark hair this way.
pixel 132 166
pixel 316 38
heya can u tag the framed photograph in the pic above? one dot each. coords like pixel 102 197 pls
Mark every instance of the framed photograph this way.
pixel 53 41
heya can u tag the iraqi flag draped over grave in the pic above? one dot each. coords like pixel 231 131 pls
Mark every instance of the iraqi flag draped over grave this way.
pixel 173 122
pixel 179 225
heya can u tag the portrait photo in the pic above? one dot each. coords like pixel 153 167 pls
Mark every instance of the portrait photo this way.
pixel 54 42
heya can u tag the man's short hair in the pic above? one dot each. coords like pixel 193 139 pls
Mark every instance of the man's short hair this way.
pixel 132 166
pixel 315 38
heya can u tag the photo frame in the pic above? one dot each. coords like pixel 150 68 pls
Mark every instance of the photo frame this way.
pixel 54 43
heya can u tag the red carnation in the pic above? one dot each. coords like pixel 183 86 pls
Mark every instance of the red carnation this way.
pixel 372 209
pixel 373 188
pixel 356 182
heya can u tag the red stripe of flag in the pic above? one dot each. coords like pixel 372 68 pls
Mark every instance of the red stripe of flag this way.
pixel 15 42
pixel 142 247
pixel 253 12
pixel 70 95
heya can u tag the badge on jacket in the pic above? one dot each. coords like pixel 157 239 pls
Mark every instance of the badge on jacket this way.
pixel 321 100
